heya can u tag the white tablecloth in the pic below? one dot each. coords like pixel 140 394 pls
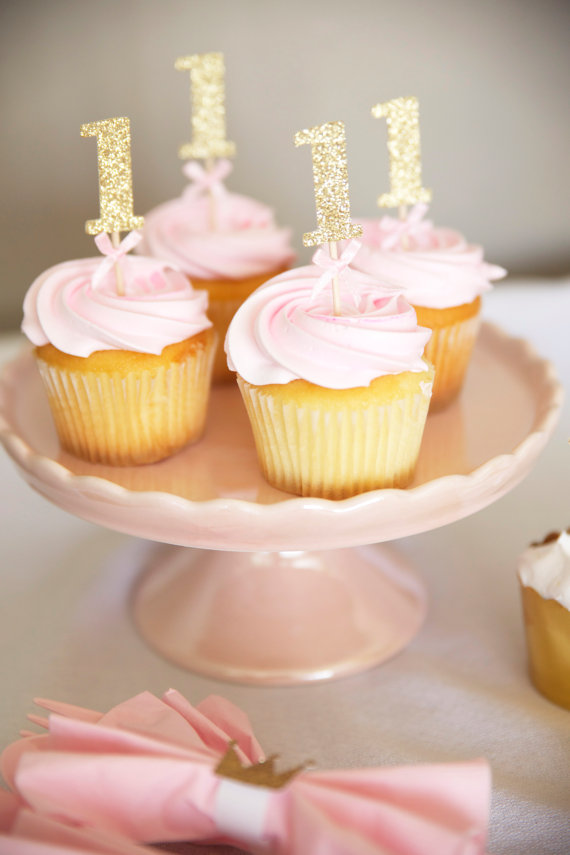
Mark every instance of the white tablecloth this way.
pixel 459 691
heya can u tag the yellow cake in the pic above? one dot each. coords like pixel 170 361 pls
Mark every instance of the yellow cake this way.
pixel 454 332
pixel 336 443
pixel 442 277
pixel 127 377
pixel 224 242
pixel 337 403
pixel 124 408
pixel 225 296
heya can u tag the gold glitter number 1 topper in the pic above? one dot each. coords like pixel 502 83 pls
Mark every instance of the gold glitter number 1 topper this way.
pixel 115 177
pixel 208 118
pixel 330 175
pixel 403 119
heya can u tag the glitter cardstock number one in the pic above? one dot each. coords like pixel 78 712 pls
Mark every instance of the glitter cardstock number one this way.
pixel 208 95
pixel 115 177
pixel 403 118
pixel 330 176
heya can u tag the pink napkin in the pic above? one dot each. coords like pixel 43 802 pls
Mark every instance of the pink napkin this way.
pixel 146 770
pixel 23 832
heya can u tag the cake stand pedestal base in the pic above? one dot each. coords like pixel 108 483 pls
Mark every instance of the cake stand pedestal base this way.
pixel 278 618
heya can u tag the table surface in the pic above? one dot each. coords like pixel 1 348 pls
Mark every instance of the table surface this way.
pixel 459 691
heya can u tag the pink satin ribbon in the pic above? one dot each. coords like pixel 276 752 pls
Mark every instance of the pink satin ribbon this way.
pixel 113 254
pixel 206 180
pixel 145 771
pixel 332 266
pixel 414 226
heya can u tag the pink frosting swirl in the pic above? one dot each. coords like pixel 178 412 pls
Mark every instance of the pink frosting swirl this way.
pixel 65 308
pixel 246 241
pixel 283 332
pixel 436 267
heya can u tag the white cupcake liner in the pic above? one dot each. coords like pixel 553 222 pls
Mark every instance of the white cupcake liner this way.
pixel 335 451
pixel 106 417
pixel 449 351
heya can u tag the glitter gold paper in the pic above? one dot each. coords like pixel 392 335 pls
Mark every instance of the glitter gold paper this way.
pixel 330 176
pixel 115 177
pixel 262 774
pixel 403 120
pixel 208 117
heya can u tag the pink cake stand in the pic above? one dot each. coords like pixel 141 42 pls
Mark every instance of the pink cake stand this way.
pixel 279 589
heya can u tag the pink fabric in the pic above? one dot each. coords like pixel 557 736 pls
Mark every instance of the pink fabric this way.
pixel 145 771
pixel 206 180
pixel 413 226
pixel 332 266
pixel 113 254
pixel 23 832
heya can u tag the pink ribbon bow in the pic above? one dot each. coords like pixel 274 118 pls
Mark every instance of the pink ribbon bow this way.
pixel 414 226
pixel 113 254
pixel 146 771
pixel 206 180
pixel 332 266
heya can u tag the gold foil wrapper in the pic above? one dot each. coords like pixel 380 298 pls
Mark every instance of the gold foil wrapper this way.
pixel 547 625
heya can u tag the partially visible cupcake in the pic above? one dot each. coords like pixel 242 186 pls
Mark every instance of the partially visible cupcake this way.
pixel 443 277
pixel 544 575
pixel 225 243
pixel 337 403
pixel 127 376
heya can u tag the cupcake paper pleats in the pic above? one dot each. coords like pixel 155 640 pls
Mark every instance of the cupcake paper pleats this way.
pixel 334 443
pixel 124 418
pixel 449 351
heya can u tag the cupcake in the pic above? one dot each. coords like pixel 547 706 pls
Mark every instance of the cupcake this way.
pixel 337 402
pixel 443 277
pixel 225 243
pixel 127 376
pixel 544 575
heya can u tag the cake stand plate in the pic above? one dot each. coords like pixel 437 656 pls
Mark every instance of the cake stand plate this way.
pixel 255 617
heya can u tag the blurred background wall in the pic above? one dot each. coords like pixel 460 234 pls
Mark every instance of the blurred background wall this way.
pixel 492 77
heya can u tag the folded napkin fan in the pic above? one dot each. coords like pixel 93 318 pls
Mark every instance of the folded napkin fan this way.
pixel 23 832
pixel 155 770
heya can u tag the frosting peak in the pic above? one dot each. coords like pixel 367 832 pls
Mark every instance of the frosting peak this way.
pixel 286 331
pixel 436 267
pixel 546 568
pixel 227 236
pixel 75 306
